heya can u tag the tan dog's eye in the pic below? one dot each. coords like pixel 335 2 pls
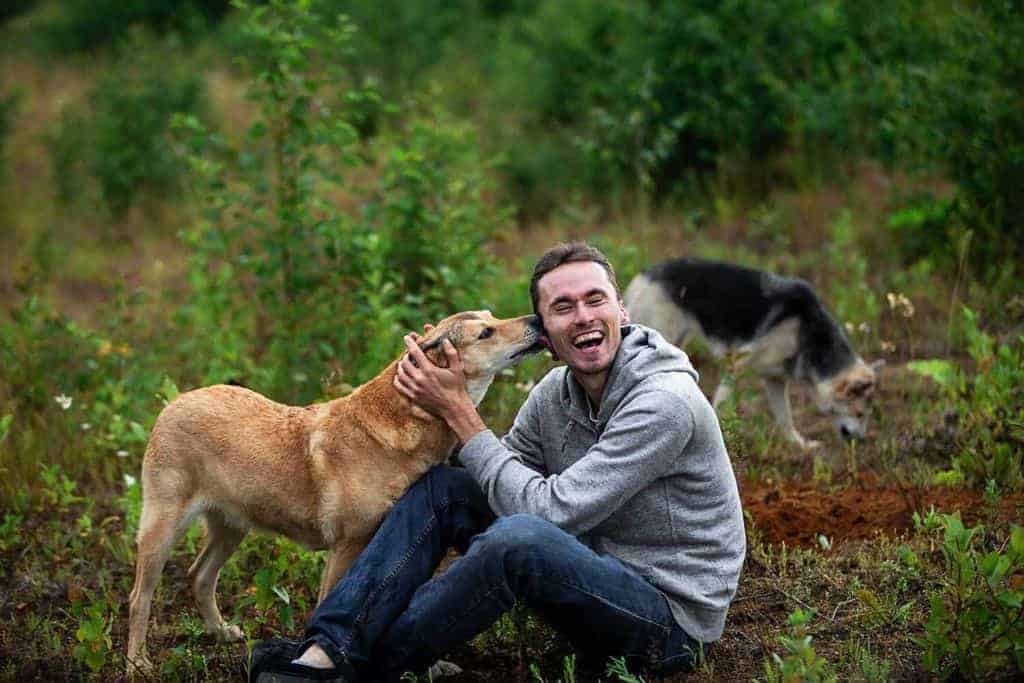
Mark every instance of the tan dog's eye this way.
pixel 487 332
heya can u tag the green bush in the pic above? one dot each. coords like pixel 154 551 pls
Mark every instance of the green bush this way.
pixel 411 253
pixel 84 25
pixel 118 141
pixel 8 109
pixel 936 91
pixel 989 407
pixel 974 630
pixel 921 229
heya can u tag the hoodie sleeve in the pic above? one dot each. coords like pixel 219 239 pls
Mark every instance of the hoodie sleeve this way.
pixel 524 439
pixel 640 443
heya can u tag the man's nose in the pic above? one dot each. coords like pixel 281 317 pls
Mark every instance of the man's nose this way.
pixel 581 314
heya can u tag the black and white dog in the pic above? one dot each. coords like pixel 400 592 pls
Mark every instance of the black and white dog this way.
pixel 778 325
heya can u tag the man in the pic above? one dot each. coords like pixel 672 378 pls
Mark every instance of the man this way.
pixel 618 518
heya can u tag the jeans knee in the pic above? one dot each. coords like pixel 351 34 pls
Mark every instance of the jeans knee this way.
pixel 519 539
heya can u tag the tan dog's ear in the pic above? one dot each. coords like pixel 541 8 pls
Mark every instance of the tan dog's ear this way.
pixel 434 351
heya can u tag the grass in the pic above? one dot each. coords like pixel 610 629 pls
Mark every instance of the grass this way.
pixel 66 531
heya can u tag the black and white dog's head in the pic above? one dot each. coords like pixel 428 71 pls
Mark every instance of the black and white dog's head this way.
pixel 847 397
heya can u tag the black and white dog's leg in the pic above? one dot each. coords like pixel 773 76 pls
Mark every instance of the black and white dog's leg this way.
pixel 777 389
pixel 723 392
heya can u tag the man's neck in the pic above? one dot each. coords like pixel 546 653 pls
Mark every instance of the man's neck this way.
pixel 593 386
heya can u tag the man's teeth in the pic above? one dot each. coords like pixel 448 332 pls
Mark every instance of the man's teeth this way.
pixel 587 338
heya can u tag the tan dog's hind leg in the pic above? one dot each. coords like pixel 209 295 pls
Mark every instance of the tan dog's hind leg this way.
pixel 340 559
pixel 221 540
pixel 157 530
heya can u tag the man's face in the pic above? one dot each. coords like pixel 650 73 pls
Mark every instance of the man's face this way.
pixel 582 315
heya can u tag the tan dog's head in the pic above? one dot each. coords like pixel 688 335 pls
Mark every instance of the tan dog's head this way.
pixel 847 398
pixel 485 344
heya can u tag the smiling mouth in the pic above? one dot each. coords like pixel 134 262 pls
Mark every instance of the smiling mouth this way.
pixel 588 340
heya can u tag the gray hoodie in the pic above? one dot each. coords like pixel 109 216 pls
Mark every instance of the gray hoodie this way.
pixel 647 480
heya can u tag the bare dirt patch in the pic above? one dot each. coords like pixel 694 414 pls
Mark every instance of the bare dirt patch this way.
pixel 796 514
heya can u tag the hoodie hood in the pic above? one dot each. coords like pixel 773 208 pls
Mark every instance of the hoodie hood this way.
pixel 643 353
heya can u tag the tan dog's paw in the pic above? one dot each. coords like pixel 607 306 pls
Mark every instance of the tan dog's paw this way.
pixel 229 633
pixel 442 669
pixel 140 666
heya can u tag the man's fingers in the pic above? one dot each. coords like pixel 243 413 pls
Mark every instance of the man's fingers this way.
pixel 427 327
pixel 399 384
pixel 454 361
pixel 418 358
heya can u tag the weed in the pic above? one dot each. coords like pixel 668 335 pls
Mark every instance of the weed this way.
pixel 568 671
pixel 10 531
pixel 975 626
pixel 989 407
pixel 801 662
pixel 617 667
pixel 93 635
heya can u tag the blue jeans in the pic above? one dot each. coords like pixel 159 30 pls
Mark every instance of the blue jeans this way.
pixel 388 615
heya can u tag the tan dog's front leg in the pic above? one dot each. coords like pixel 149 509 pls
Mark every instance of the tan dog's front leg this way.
pixel 339 560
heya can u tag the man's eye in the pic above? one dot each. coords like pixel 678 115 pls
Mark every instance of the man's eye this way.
pixel 487 332
pixel 595 301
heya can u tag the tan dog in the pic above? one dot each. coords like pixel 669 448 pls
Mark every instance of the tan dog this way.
pixel 323 475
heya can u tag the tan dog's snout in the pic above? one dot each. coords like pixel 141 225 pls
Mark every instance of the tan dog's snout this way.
pixel 485 344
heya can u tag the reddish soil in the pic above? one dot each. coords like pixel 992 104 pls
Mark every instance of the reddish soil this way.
pixel 797 513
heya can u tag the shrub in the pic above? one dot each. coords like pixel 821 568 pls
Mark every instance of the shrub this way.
pixel 8 109
pixel 975 629
pixel 989 406
pixel 409 255
pixel 85 25
pixel 119 140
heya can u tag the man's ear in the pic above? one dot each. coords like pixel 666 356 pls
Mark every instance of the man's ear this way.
pixel 625 312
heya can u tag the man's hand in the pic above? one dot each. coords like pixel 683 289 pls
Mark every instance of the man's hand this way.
pixel 441 391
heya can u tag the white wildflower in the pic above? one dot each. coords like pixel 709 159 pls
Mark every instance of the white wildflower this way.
pixel 63 401
pixel 129 480
pixel 123 454
pixel 824 542
pixel 86 426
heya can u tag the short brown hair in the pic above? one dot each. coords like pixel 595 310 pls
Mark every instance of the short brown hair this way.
pixel 568 252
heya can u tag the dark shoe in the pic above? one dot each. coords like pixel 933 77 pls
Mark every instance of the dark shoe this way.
pixel 271 662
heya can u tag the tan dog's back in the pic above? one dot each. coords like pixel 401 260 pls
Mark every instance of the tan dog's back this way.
pixel 221 446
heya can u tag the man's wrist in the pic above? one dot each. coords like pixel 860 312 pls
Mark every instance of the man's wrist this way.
pixel 465 421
